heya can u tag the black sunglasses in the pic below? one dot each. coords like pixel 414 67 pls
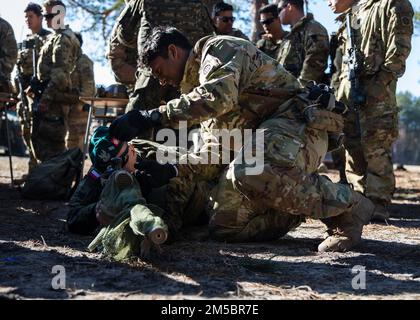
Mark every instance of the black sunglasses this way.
pixel 49 15
pixel 227 19
pixel 267 21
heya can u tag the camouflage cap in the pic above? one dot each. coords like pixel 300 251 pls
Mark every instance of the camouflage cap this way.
pixel 103 148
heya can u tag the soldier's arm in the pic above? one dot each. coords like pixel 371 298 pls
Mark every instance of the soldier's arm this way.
pixel 316 48
pixel 218 91
pixel 8 49
pixel 64 60
pixel 399 30
pixel 124 70
pixel 87 81
pixel 81 217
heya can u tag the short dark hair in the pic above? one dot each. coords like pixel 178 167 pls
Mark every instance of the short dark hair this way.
pixel 79 37
pixel 158 41
pixel 220 7
pixel 297 3
pixel 270 8
pixel 35 8
pixel 52 3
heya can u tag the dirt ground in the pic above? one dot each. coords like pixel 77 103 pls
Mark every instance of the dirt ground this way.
pixel 33 239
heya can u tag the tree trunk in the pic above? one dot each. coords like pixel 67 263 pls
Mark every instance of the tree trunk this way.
pixel 256 25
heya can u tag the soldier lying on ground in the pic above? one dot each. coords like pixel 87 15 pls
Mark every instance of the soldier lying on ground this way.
pixel 227 82
pixel 108 195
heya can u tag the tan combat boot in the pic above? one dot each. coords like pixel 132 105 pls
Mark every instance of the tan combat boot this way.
pixel 345 230
pixel 381 212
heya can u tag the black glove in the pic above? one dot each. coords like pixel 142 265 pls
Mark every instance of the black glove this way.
pixel 134 123
pixel 157 174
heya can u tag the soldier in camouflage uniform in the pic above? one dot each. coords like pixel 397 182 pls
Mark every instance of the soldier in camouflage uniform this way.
pixel 304 51
pixel 223 21
pixel 25 64
pixel 274 33
pixel 56 63
pixel 8 55
pixel 227 83
pixel 129 34
pixel 382 30
pixel 97 200
pixel 82 79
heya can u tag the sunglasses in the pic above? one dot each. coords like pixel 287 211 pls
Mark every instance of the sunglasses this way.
pixel 49 15
pixel 227 19
pixel 267 21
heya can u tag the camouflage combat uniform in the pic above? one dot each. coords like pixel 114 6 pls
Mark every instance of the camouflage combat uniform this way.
pixel 8 55
pixel 81 217
pixel 134 25
pixel 383 31
pixel 26 67
pixel 304 51
pixel 123 60
pixel 269 47
pixel 83 79
pixel 56 62
pixel 229 84
pixel 237 33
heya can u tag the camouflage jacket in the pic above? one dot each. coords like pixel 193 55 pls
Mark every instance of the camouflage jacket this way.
pixel 83 78
pixel 81 217
pixel 8 51
pixel 228 83
pixel 137 20
pixel 140 16
pixel 383 31
pixel 57 61
pixel 237 33
pixel 123 61
pixel 25 55
pixel 269 47
pixel 304 51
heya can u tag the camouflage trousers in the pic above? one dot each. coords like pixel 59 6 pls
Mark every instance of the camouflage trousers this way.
pixel 49 131
pixel 76 127
pixel 368 141
pixel 148 93
pixel 267 205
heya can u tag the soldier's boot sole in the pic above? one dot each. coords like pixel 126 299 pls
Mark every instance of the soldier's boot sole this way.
pixel 345 231
pixel 123 179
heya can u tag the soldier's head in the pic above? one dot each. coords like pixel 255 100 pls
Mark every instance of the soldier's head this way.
pixel 166 52
pixel 54 13
pixel 33 17
pixel 269 18
pixel 223 18
pixel 103 148
pixel 340 6
pixel 290 11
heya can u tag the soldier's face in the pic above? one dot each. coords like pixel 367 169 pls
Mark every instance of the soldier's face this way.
pixel 340 6
pixel 170 70
pixel 269 22
pixel 224 22
pixel 284 12
pixel 33 21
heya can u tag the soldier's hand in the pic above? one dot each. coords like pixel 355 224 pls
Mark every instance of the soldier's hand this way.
pixel 133 124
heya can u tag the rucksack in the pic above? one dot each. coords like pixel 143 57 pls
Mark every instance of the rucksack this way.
pixel 53 179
